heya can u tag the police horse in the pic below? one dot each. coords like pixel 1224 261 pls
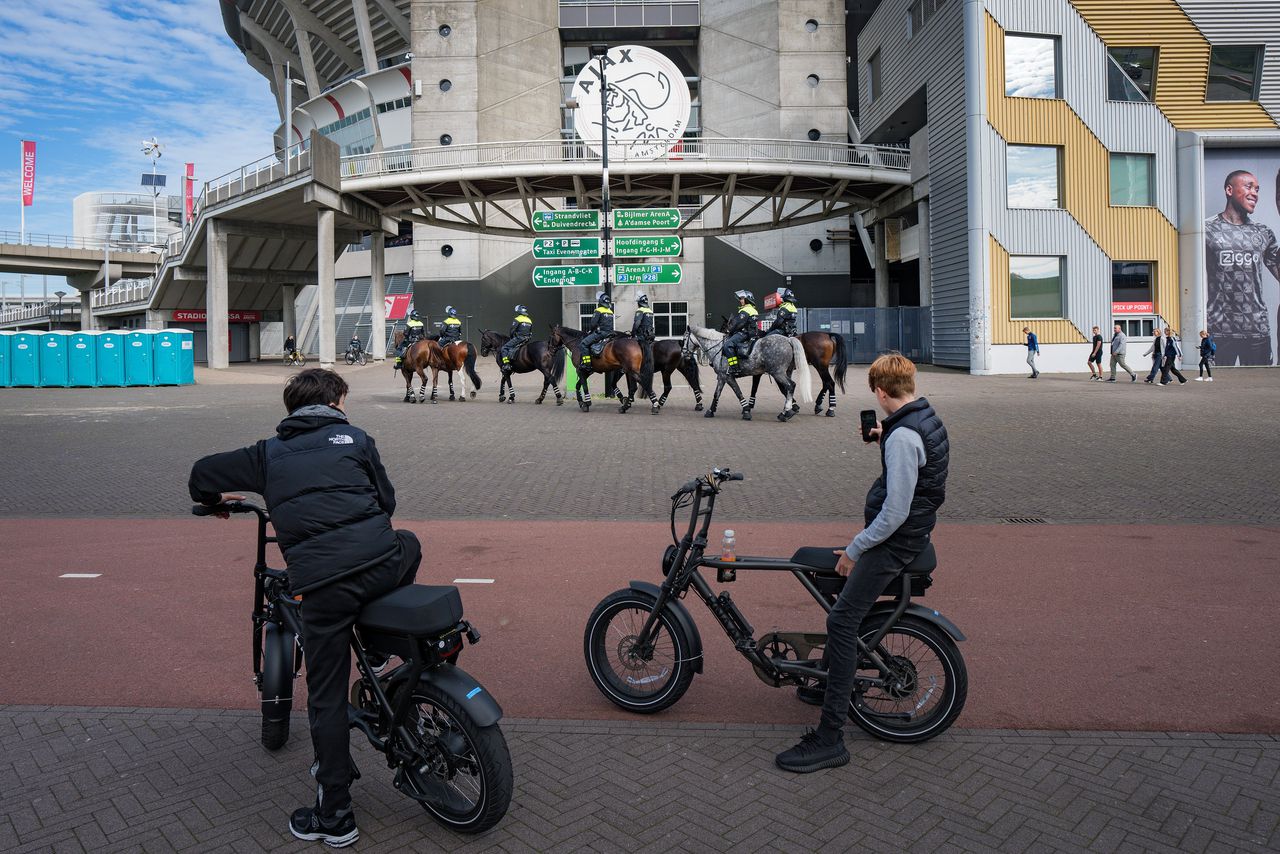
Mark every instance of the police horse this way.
pixel 459 356
pixel 621 353
pixel 821 349
pixel 775 355
pixel 534 356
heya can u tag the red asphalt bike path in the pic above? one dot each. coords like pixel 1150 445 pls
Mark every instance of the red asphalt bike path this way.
pixel 1097 627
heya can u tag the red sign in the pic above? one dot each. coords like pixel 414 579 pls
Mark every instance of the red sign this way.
pixel 198 315
pixel 188 192
pixel 1133 308
pixel 772 301
pixel 398 305
pixel 28 172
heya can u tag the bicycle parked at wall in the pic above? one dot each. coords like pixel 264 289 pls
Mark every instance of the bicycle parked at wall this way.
pixel 436 725
pixel 643 648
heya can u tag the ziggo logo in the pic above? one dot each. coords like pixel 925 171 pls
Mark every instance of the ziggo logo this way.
pixel 1227 258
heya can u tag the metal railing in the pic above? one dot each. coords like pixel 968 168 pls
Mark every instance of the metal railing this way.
pixel 260 173
pixel 545 151
pixel 30 312
pixel 123 292
pixel 61 241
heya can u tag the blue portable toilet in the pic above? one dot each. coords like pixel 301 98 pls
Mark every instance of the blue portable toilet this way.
pixel 187 367
pixel 109 358
pixel 138 368
pixel 81 369
pixel 166 357
pixel 6 337
pixel 24 359
pixel 54 347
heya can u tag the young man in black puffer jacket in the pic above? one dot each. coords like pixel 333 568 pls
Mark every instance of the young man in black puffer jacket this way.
pixel 331 504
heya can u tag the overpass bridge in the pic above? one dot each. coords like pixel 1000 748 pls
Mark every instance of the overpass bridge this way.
pixel 280 222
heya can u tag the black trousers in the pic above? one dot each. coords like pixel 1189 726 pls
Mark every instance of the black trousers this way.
pixel 1206 367
pixel 328 613
pixel 584 347
pixel 1171 367
pixel 508 351
pixel 873 571
pixel 737 344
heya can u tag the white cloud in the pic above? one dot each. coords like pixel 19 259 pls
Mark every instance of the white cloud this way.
pixel 1030 67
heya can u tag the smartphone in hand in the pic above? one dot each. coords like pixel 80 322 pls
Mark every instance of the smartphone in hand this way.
pixel 868 418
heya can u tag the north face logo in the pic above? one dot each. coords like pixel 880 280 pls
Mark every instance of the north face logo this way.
pixel 341 439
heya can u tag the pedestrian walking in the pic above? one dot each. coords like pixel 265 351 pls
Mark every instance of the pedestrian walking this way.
pixel 1033 350
pixel 1156 352
pixel 1120 344
pixel 1208 350
pixel 1172 355
pixel 1095 356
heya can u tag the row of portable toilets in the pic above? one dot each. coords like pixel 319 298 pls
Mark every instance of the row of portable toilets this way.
pixel 113 358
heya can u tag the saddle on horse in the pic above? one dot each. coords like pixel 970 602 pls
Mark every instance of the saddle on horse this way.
pixel 597 347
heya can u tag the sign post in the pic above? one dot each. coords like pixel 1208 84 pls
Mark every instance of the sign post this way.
pixel 647 274
pixel 550 248
pixel 646 219
pixel 568 276
pixel 655 246
pixel 571 220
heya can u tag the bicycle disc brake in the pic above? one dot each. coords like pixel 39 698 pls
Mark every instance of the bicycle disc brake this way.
pixel 789 646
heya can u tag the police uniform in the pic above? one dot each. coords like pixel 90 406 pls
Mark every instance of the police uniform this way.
pixel 601 329
pixel 450 331
pixel 742 331
pixel 642 325
pixel 785 321
pixel 521 332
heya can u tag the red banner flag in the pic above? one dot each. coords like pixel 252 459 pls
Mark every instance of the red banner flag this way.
pixel 188 192
pixel 28 172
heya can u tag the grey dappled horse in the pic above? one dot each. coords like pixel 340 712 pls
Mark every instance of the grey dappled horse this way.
pixel 775 355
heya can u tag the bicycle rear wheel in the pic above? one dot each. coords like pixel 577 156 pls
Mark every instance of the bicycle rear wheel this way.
pixel 928 687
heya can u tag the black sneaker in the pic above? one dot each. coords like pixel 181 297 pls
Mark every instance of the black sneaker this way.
pixel 377 661
pixel 814 753
pixel 337 832
pixel 1113 379
pixel 811 694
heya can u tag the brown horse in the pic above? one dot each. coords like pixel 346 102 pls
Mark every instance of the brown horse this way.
pixel 459 356
pixel 820 349
pixel 623 354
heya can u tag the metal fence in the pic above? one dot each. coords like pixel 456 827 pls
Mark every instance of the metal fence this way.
pixel 868 332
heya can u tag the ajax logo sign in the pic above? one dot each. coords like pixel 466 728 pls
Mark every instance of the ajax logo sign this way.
pixel 647 102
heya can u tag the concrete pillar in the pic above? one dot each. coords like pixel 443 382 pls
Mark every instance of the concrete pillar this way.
pixel 328 318
pixel 926 255
pixel 377 295
pixel 365 33
pixel 255 342
pixel 882 269
pixel 215 296
pixel 86 311
pixel 289 310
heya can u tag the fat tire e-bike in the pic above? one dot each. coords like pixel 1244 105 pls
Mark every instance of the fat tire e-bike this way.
pixel 356 357
pixel 436 726
pixel 643 648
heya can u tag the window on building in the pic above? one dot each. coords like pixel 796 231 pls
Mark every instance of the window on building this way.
pixel 1030 66
pixel 1033 176
pixel 586 310
pixel 920 13
pixel 670 319
pixel 1131 74
pixel 1137 327
pixel 873 76
pixel 1233 73
pixel 1131 283
pixel 1035 288
pixel 1131 180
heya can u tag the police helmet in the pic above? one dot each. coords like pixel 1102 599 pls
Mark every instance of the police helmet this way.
pixel 746 295
pixel 413 315
pixel 787 295
pixel 602 298
pixel 451 311
pixel 643 300
pixel 520 309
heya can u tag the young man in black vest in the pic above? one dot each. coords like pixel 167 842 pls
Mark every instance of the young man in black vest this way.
pixel 901 510
pixel 331 504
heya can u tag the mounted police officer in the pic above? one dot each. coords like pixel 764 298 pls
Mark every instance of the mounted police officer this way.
pixel 601 326
pixel 451 329
pixel 521 332
pixel 642 325
pixel 742 332
pixel 785 321
pixel 414 331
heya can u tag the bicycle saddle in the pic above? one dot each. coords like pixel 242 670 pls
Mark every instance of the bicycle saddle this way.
pixel 825 559
pixel 417 609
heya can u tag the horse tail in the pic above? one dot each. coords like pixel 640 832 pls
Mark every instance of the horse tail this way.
pixel 646 367
pixel 802 369
pixel 842 358
pixel 557 365
pixel 470 364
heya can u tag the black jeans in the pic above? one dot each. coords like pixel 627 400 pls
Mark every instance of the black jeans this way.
pixel 328 613
pixel 509 350
pixel 1206 367
pixel 873 571
pixel 1171 367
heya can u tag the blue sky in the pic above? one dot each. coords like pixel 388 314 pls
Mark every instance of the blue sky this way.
pixel 88 80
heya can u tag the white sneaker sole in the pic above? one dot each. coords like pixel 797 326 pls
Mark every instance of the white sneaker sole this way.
pixel 327 839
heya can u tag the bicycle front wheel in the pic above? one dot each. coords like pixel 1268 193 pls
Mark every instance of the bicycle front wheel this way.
pixel 351 358
pixel 644 680
pixel 926 690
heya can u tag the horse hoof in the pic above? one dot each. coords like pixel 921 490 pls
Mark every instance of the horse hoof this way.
pixel 795 407
pixel 746 415
pixel 511 400
pixel 817 410
pixel 709 414
pixel 831 413
pixel 502 398
pixel 698 408
pixel 654 410
pixel 473 395
pixel 452 398
pixel 786 416
pixel 538 401
pixel 559 401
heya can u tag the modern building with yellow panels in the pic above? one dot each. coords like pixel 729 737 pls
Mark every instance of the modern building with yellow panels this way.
pixel 1077 164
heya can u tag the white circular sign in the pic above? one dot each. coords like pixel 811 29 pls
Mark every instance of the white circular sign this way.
pixel 648 103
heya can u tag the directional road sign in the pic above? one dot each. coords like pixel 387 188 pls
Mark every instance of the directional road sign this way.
pixel 657 246
pixel 583 220
pixel 569 276
pixel 546 248
pixel 647 274
pixel 646 219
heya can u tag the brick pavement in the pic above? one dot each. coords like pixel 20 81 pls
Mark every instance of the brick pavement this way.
pixel 1060 448
pixel 104 780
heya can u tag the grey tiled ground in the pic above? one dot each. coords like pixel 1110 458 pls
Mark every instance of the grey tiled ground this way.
pixel 1060 447
pixel 162 780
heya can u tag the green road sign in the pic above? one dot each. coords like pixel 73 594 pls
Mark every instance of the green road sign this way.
pixel 657 246
pixel 646 219
pixel 547 248
pixel 647 274
pixel 584 220
pixel 568 276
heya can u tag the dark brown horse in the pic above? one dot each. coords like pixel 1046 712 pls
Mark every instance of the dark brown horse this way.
pixel 534 356
pixel 623 354
pixel 820 349
pixel 459 356
pixel 668 357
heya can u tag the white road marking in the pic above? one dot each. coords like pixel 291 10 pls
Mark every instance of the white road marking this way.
pixel 81 575
pixel 473 581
